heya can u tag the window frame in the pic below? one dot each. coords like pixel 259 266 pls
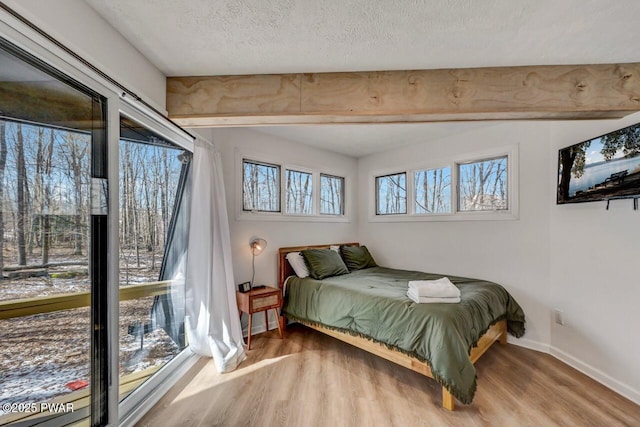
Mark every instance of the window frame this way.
pixel 23 36
pixel 459 164
pixel 278 182
pixel 141 399
pixel 406 195
pixel 415 195
pixel 342 195
pixel 285 194
pixel 511 152
pixel 316 171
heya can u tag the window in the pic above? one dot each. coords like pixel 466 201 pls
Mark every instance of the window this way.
pixel 154 190
pixel 479 186
pixel 433 191
pixel 482 185
pixel 331 195
pixel 53 231
pixel 260 187
pixel 299 187
pixel 277 191
pixel 59 194
pixel 391 194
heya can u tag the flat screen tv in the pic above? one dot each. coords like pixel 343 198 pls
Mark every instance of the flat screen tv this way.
pixel 602 168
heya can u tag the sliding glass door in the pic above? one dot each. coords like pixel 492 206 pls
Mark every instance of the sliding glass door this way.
pixel 89 269
pixel 154 202
pixel 53 245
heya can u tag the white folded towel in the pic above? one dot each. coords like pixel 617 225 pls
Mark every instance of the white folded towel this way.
pixel 425 300
pixel 441 288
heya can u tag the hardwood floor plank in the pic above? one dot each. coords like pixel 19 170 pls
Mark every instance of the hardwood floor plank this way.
pixel 309 379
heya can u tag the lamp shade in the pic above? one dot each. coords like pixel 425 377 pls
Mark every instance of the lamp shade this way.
pixel 257 245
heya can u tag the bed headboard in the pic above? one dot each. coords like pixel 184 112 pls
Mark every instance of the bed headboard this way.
pixel 284 268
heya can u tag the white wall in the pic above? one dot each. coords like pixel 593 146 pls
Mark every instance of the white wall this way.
pixel 579 258
pixel 80 28
pixel 513 253
pixel 595 278
pixel 277 233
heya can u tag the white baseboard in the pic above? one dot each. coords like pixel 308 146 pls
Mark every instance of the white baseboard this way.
pixel 596 374
pixel 530 344
pixel 590 371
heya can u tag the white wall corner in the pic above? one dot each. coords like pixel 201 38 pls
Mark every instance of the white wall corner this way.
pixel 596 374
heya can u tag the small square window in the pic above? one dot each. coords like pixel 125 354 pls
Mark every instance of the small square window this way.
pixel 482 185
pixel 433 191
pixel 260 187
pixel 391 194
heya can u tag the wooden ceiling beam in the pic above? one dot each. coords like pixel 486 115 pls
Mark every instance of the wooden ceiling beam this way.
pixel 550 92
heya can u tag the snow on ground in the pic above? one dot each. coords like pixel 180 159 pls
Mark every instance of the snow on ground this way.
pixel 40 354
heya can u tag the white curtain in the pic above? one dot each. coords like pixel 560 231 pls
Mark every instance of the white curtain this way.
pixel 212 321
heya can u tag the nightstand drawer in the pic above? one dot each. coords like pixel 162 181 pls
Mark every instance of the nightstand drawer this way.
pixel 264 302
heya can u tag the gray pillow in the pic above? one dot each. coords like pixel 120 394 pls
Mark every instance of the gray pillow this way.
pixel 324 263
pixel 357 257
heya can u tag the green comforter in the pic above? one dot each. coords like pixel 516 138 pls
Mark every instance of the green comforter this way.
pixel 372 303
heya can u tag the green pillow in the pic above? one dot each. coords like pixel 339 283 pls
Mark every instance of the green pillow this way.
pixel 324 263
pixel 357 257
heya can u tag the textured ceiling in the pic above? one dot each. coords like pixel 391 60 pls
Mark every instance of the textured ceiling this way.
pixel 220 37
pixel 205 37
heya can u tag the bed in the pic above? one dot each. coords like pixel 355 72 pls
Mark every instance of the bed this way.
pixel 440 341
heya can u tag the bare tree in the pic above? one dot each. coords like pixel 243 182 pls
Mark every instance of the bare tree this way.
pixel 22 207
pixel 44 167
pixel 75 153
pixel 331 195
pixel 3 163
pixel 306 193
pixel 298 192
pixel 431 191
pixel 164 191
pixel 270 194
pixel 133 201
pixel 395 193
pixel 483 185
pixel 260 186
pixel 292 199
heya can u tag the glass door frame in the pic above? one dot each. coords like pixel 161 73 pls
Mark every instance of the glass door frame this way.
pixel 38 44
pixel 145 396
pixel 99 244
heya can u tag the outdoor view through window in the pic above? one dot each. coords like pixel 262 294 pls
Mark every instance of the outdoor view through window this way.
pixel 44 247
pixel 45 149
pixel 151 326
pixel 46 135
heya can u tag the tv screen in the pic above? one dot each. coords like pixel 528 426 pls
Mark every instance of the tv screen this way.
pixel 601 168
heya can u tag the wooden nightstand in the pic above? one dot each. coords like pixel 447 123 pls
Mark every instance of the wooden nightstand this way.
pixel 256 300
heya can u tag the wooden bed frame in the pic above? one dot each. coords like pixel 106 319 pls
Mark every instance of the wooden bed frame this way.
pixel 498 332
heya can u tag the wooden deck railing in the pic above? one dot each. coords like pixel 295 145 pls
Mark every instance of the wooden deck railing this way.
pixel 58 302
pixel 81 398
pixel 47 304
